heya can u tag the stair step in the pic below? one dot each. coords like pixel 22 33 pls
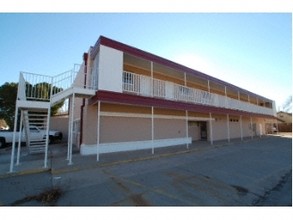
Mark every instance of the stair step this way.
pixel 37 150
pixel 37 144
pixel 37 147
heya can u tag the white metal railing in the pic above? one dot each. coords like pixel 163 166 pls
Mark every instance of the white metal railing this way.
pixel 143 85
pixel 62 81
pixel 41 87
pixel 37 87
pixel 68 79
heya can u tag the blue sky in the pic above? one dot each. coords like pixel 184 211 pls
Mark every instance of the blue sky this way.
pixel 250 50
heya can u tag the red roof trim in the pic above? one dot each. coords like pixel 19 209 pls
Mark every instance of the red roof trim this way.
pixel 122 98
pixel 152 57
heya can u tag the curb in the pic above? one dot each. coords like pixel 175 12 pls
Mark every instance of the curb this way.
pixel 109 164
pixel 24 172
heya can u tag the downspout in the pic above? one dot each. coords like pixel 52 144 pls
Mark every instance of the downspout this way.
pixel 81 121
pixel 85 57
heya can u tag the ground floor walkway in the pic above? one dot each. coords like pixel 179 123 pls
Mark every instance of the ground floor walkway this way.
pixel 57 156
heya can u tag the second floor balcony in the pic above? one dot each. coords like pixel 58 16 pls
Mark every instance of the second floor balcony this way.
pixel 146 86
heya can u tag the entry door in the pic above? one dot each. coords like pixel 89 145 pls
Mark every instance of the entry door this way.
pixel 203 130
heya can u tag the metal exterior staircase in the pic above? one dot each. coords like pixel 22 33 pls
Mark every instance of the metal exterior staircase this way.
pixel 36 124
pixel 36 95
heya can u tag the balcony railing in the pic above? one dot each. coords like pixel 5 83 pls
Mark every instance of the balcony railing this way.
pixel 146 86
pixel 41 87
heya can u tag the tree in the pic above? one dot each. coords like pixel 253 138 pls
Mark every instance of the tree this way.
pixel 44 89
pixel 287 106
pixel 8 94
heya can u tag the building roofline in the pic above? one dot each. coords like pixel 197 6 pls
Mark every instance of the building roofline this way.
pixel 288 113
pixel 152 57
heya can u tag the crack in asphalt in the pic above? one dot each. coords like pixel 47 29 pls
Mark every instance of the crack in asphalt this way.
pixel 265 197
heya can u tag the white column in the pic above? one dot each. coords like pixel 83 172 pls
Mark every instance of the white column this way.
pixel 19 138
pixel 152 79
pixel 98 129
pixel 251 127
pixel 186 126
pixel 47 138
pixel 209 88
pixel 260 130
pixel 153 134
pixel 211 130
pixel 48 127
pixel 277 126
pixel 241 129
pixel 226 98
pixel 152 69
pixel 71 129
pixel 228 128
pixel 13 140
pixel 239 101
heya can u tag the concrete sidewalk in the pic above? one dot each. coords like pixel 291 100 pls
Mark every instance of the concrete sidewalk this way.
pixel 57 155
pixel 235 173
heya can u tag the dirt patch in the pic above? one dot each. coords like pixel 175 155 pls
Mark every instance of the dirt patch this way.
pixel 48 197
pixel 138 200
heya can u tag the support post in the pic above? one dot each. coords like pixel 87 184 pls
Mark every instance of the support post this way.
pixel 251 127
pixel 260 130
pixel 186 127
pixel 19 138
pixel 228 128
pixel 98 130
pixel 209 87
pixel 211 130
pixel 13 139
pixel 241 128
pixel 71 129
pixel 277 126
pixel 152 79
pixel 47 139
pixel 48 127
pixel 153 134
pixel 226 98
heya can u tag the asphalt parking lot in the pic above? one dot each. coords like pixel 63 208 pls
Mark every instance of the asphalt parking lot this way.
pixel 254 172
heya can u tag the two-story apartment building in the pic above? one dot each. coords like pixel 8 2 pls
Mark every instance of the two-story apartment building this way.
pixel 123 98
pixel 144 101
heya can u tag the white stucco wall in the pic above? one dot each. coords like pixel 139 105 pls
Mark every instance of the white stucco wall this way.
pixel 110 69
